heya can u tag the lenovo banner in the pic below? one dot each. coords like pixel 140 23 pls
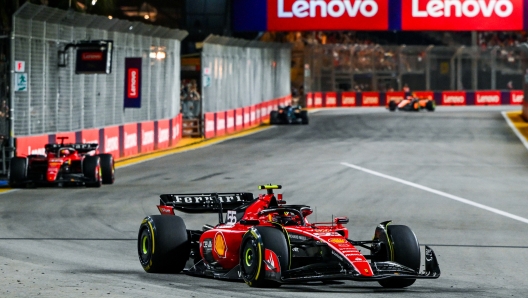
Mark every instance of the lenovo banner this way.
pixel 406 15
pixel 132 83
pixel 286 15
pixel 454 98
pixel 462 15
pixel 484 98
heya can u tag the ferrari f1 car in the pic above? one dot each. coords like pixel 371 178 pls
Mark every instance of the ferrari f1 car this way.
pixel 412 104
pixel 289 115
pixel 63 164
pixel 266 243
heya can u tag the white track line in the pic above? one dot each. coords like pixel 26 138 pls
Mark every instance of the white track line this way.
pixel 437 192
pixel 515 130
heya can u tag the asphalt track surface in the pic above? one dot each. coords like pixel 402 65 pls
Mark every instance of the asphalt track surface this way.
pixel 458 177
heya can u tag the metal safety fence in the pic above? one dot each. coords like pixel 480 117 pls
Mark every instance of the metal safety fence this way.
pixel 56 99
pixel 386 68
pixel 239 73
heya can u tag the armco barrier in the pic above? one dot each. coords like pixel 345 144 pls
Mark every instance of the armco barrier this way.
pixel 442 98
pixel 121 141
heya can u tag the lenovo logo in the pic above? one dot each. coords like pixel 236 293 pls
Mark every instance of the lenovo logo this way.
pixel 453 99
pixel 133 82
pixel 92 56
pixel 130 140
pixel 332 9
pixel 111 144
pixel 488 99
pixel 458 8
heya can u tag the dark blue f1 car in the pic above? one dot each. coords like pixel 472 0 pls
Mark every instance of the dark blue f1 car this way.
pixel 289 115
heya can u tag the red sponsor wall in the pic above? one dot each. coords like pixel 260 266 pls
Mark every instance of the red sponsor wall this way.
pixel 370 99
pixel 110 141
pixel 90 136
pixel 239 119
pixel 348 99
pixel 516 97
pixel 264 114
pixel 253 115
pixel 309 100
pixel 330 100
pixel 31 145
pixel 176 130
pixel 454 98
pixel 130 139
pixel 247 117
pixel 318 100
pixel 220 122
pixel 147 136
pixel 163 134
pixel 230 121
pixel 209 121
pixel 483 98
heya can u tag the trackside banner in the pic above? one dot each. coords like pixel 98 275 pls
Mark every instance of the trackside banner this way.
pixel 406 15
pixel 132 83
pixel 462 15
pixel 328 15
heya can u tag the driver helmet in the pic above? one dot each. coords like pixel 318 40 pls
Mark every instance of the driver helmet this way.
pixel 64 152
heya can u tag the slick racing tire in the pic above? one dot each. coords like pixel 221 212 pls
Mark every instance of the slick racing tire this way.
pixel 252 255
pixel 430 106
pixel 392 106
pixel 406 251
pixel 163 244
pixel 274 117
pixel 107 168
pixel 92 171
pixel 17 171
pixel 304 117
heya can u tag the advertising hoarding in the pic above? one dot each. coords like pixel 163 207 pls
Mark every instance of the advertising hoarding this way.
pixel 405 15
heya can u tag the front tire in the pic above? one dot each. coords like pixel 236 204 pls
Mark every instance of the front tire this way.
pixel 405 251
pixel 252 254
pixel 163 244
pixel 430 106
pixel 17 171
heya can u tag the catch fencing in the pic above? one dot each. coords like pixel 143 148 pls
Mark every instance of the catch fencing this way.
pixel 58 100
pixel 240 73
pixel 386 68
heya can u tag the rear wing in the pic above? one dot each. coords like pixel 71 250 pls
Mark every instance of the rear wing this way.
pixel 79 147
pixel 205 202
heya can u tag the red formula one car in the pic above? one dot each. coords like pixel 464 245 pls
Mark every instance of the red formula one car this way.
pixel 266 243
pixel 63 164
pixel 412 104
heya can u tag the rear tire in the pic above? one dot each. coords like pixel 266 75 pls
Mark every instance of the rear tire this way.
pixel 252 252
pixel 406 252
pixel 107 168
pixel 163 244
pixel 304 117
pixel 274 117
pixel 92 171
pixel 392 106
pixel 17 172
